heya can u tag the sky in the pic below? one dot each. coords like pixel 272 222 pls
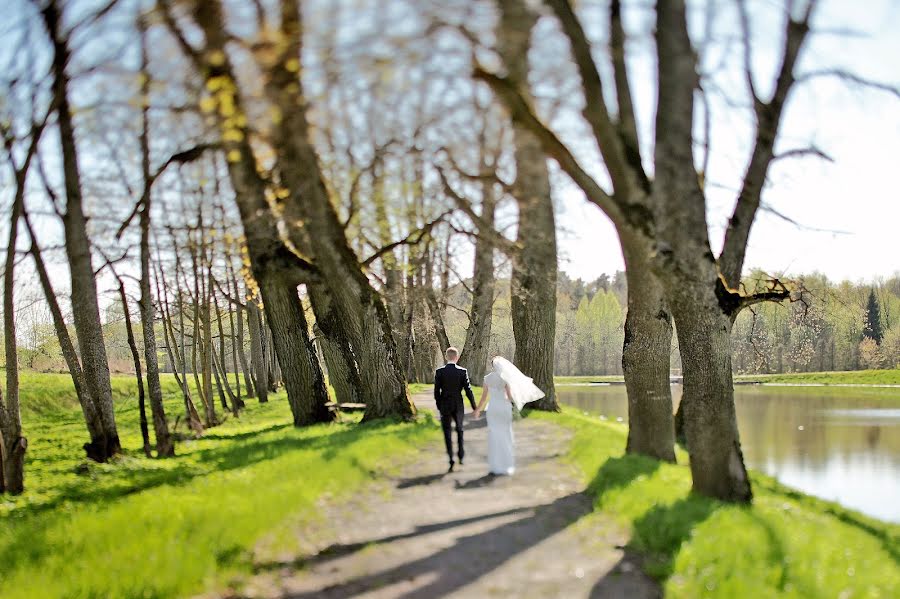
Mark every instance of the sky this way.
pixel 847 213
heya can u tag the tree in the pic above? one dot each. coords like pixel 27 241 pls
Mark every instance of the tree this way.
pixel 872 329
pixel 85 308
pixel 533 284
pixel 663 222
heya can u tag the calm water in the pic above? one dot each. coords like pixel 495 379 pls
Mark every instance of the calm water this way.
pixel 838 445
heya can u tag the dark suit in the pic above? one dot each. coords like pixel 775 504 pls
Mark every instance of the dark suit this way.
pixel 449 383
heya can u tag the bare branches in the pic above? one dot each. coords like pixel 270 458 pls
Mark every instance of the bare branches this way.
pixel 414 238
pixel 627 124
pixel 521 112
pixel 595 111
pixel 768 121
pixel 851 78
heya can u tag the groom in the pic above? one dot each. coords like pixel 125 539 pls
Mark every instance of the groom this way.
pixel 449 383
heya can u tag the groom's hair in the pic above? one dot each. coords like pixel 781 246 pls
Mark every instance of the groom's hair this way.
pixel 452 353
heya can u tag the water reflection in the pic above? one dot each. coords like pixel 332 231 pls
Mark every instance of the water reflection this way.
pixel 841 447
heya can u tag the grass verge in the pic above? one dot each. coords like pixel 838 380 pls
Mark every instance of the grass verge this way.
pixel 165 528
pixel 784 545
pixel 850 377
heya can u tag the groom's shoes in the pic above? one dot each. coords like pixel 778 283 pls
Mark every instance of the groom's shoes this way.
pixel 450 469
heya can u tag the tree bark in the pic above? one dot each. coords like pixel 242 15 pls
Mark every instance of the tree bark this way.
pixel 645 357
pixel 85 308
pixel 534 273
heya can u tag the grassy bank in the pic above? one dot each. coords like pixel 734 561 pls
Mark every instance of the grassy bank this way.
pixel 850 377
pixel 166 528
pixel 785 545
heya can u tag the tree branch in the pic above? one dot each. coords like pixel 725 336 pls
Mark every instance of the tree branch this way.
pixel 414 238
pixel 768 121
pixel 595 112
pixel 521 113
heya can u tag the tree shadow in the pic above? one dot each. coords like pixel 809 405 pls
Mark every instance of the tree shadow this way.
pixel 248 451
pixel 626 579
pixel 454 567
pixel 888 541
pixel 339 550
pixel 659 534
pixel 616 473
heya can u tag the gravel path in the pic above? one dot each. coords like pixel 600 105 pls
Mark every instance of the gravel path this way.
pixel 426 534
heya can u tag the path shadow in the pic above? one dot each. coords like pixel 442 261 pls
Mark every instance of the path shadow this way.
pixel 626 580
pixel 339 550
pixel 476 483
pixel 470 558
pixel 420 481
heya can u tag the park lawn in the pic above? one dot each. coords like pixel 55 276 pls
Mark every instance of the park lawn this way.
pixel 785 545
pixel 850 377
pixel 139 527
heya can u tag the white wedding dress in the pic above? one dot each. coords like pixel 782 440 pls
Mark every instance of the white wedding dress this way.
pixel 501 443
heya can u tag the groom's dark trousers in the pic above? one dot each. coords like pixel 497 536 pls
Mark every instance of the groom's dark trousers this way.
pixel 449 383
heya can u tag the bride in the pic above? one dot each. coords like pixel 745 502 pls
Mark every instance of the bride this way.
pixel 503 387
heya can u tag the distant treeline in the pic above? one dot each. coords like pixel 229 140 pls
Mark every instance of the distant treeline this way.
pixel 827 326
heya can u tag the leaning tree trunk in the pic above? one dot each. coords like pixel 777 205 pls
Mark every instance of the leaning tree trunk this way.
pixel 337 352
pixel 645 358
pixel 361 308
pixel 94 449
pixel 478 336
pixel 290 335
pixel 533 284
pixel 85 307
pixel 165 446
pixel 138 373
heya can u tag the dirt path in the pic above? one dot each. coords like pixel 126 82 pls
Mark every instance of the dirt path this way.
pixel 426 534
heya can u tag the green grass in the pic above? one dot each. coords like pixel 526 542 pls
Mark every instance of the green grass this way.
pixel 164 528
pixel 852 377
pixel 580 380
pixel 785 545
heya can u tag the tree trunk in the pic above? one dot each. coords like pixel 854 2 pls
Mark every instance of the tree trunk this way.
pixel 710 421
pixel 12 444
pixel 85 308
pixel 257 357
pixel 323 238
pixel 340 361
pixel 645 358
pixel 177 350
pixel 165 446
pixel 138 375
pixel 533 284
pixel 240 309
pixel 303 375
pixel 95 449
pixel 475 350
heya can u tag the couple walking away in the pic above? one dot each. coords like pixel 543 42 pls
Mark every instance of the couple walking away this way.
pixel 504 387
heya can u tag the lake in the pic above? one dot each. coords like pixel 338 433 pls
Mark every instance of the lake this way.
pixel 841 444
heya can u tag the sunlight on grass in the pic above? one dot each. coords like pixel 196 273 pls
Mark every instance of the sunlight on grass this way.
pixel 785 545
